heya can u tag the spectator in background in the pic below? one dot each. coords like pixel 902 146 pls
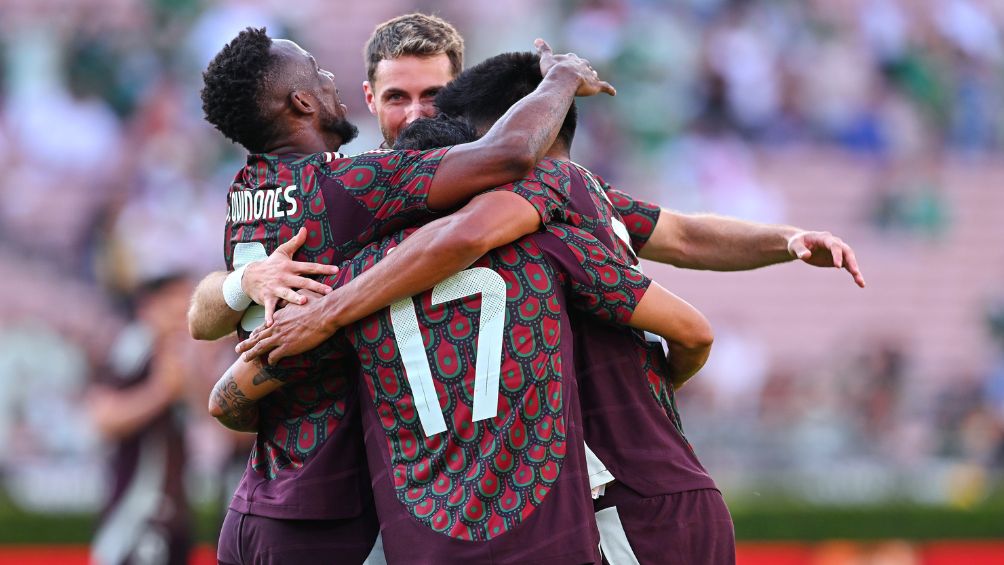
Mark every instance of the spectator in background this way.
pixel 136 406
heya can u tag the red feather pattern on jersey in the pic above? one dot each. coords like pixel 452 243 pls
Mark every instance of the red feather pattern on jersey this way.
pixel 482 478
pixel 301 415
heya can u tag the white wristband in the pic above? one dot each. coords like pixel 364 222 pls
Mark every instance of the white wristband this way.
pixel 233 294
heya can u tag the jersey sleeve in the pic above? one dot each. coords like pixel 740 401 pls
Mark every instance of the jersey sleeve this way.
pixel 302 366
pixel 389 184
pixel 639 216
pixel 547 189
pixel 600 284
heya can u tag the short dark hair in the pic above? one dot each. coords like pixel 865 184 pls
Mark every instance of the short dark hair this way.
pixel 484 92
pixel 430 133
pixel 235 81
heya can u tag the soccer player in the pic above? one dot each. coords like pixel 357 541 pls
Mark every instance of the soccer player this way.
pixel 472 426
pixel 492 219
pixel 408 60
pixel 272 98
pixel 136 405
pixel 656 462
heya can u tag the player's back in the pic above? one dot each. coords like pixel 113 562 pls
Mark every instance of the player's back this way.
pixel 628 403
pixel 309 436
pixel 473 429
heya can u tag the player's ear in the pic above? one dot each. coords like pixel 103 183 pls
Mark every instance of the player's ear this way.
pixel 302 102
pixel 370 96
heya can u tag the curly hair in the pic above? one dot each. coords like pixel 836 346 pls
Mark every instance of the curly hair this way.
pixel 235 81
pixel 440 131
pixel 486 91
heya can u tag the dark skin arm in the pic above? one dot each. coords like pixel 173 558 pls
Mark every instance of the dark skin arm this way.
pixel 506 153
pixel 521 137
pixel 266 282
pixel 430 255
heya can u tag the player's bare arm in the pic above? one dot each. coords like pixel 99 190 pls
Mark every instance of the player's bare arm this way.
pixel 430 255
pixel 521 137
pixel 684 328
pixel 120 413
pixel 710 242
pixel 265 282
pixel 234 400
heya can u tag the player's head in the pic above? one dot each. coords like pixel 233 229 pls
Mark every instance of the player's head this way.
pixel 438 131
pixel 484 92
pixel 261 92
pixel 408 59
pixel 161 302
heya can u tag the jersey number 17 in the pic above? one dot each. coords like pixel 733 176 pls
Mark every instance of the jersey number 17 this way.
pixel 408 334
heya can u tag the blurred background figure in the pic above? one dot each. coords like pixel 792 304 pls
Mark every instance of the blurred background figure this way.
pixel 137 406
pixel 880 120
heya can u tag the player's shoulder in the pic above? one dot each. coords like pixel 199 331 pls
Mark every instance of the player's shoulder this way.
pixel 385 158
pixel 554 166
pixel 543 247
pixel 588 175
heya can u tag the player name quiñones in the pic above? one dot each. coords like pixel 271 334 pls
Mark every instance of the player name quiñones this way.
pixel 262 204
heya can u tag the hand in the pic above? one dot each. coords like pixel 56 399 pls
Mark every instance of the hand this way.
pixel 277 277
pixel 589 79
pixel 823 249
pixel 296 329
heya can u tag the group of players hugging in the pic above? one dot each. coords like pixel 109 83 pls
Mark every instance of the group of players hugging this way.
pixel 473 367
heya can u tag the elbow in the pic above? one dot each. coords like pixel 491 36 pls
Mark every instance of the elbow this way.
pixel 514 156
pixel 214 409
pixel 463 243
pixel 194 328
pixel 700 337
pixel 196 332
pixel 522 165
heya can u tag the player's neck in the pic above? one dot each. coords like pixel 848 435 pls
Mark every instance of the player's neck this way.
pixel 304 141
pixel 558 151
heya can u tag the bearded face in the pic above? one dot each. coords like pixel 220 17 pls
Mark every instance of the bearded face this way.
pixel 338 125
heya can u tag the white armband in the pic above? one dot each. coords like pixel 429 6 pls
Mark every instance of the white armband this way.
pixel 233 294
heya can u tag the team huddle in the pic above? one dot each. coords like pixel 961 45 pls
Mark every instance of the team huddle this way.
pixel 471 366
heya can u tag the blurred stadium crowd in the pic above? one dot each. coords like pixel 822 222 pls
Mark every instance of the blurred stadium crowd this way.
pixel 879 120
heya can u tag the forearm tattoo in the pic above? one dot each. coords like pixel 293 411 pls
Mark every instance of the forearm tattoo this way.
pixel 262 376
pixel 239 412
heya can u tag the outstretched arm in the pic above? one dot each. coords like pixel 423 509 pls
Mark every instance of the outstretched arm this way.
pixel 717 243
pixel 430 255
pixel 234 400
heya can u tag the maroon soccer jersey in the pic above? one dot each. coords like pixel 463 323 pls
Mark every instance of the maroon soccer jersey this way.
pixel 565 192
pixel 472 424
pixel 628 403
pixel 308 462
pixel 147 505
